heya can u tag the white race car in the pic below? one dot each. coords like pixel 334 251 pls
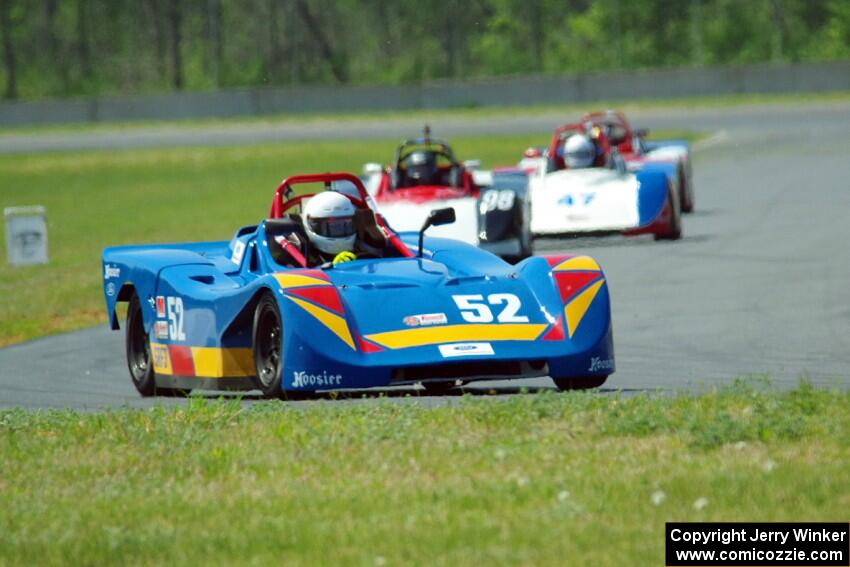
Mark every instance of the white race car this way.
pixel 603 197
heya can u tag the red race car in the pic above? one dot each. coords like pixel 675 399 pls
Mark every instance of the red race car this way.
pixel 492 209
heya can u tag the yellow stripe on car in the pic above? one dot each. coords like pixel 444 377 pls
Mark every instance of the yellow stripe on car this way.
pixel 330 320
pixel 578 263
pixel 422 336
pixel 213 362
pixel 287 281
pixel 575 309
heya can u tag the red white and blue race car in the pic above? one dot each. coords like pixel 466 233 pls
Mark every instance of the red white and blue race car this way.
pixel 492 208
pixel 673 156
pixel 581 184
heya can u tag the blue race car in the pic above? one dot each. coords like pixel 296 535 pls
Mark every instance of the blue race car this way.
pixel 255 313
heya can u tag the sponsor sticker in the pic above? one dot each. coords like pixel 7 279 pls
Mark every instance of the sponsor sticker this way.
pixel 161 359
pixel 598 363
pixel 466 349
pixel 160 329
pixel 425 319
pixel 110 272
pixel 110 289
pixel 160 306
pixel 302 379
pixel 238 252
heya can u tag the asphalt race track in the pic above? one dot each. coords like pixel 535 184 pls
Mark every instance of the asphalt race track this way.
pixel 760 284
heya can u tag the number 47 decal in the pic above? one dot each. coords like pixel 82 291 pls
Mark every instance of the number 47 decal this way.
pixel 474 309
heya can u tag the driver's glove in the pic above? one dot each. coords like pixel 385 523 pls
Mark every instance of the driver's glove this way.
pixel 344 256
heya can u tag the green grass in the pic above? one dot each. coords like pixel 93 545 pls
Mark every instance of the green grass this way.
pixel 543 479
pixel 106 198
pixel 570 110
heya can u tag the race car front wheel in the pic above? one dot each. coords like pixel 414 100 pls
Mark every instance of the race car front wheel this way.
pixel 268 346
pixel 139 360
pixel 582 383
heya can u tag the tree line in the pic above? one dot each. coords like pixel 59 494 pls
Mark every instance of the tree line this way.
pixel 64 48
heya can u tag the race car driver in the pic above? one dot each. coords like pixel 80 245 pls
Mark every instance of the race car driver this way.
pixel 329 222
pixel 579 152
pixel 421 168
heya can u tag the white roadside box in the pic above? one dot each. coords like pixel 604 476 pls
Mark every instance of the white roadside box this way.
pixel 26 235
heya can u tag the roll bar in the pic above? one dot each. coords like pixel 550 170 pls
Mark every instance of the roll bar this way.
pixel 285 188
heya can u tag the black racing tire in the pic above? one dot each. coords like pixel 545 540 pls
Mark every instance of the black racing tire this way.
pixel 579 383
pixel 268 347
pixel 138 349
pixel 674 231
pixel 526 241
pixel 139 359
pixel 686 190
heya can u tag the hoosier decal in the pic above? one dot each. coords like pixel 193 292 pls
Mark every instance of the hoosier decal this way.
pixel 301 379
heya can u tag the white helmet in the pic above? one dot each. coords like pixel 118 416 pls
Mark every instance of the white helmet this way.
pixel 329 222
pixel 579 152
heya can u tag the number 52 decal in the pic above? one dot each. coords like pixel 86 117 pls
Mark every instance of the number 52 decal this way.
pixel 474 308
pixel 175 319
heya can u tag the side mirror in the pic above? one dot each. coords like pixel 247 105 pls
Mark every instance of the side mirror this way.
pixel 437 217
pixel 642 132
pixel 372 168
pixel 440 217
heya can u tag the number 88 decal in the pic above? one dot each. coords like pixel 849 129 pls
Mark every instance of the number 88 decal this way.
pixel 495 199
pixel 474 309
